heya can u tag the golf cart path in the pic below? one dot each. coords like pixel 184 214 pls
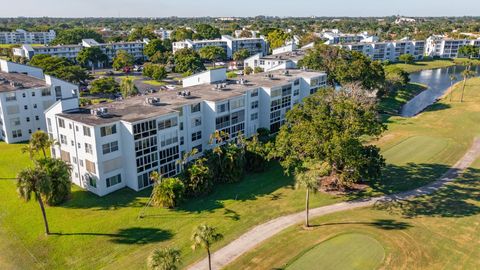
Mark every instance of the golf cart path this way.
pixel 262 232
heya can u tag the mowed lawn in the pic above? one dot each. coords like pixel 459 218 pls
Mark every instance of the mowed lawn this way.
pixel 438 231
pixel 433 64
pixel 93 232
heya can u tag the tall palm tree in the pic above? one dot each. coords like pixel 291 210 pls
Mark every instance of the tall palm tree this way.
pixel 452 79
pixel 164 259
pixel 203 237
pixel 39 141
pixel 467 73
pixel 58 172
pixel 34 181
pixel 309 179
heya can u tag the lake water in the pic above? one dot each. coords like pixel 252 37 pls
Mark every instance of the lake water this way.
pixel 438 82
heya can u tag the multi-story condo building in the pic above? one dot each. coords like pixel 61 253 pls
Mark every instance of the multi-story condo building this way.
pixel 228 43
pixel 388 50
pixel 163 33
pixel 70 52
pixel 334 36
pixel 25 93
pixel 119 144
pixel 21 36
pixel 286 57
pixel 440 46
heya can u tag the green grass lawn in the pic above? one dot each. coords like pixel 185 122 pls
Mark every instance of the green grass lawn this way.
pixel 392 103
pixel 342 252
pixel 433 64
pixel 438 231
pixel 105 232
pixel 154 82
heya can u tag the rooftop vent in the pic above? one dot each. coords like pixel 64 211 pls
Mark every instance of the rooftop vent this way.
pixel 184 94
pixel 270 76
pixel 154 101
pixel 100 112
pixel 242 81
pixel 16 84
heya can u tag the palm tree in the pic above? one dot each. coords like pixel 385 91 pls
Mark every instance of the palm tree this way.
pixel 34 181
pixel 127 87
pixel 164 259
pixel 39 141
pixel 452 79
pixel 203 237
pixel 309 179
pixel 467 73
pixel 58 171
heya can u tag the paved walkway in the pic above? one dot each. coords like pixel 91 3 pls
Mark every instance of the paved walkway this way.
pixel 262 232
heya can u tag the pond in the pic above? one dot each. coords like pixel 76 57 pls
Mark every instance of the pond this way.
pixel 438 81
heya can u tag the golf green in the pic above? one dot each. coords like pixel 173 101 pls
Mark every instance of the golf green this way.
pixel 345 251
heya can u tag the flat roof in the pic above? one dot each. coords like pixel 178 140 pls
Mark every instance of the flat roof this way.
pixel 135 109
pixel 24 81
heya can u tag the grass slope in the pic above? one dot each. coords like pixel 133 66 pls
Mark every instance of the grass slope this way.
pixel 433 64
pixel 392 103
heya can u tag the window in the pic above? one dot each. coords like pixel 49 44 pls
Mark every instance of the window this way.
pixel 108 130
pixel 63 139
pixel 33 94
pixel 195 107
pixel 296 92
pixel 17 133
pixel 110 147
pixel 25 107
pixel 238 103
pixel 35 106
pixel 27 119
pixel 86 131
pixel 74 160
pixel 10 97
pixel 196 122
pixel 111 181
pixel 37 117
pixel 198 147
pixel 61 123
pixel 254 104
pixel 254 116
pixel 88 148
pixel 92 181
pixel 58 91
pixel 46 92
pixel 222 108
pixel 254 93
pixel 168 123
pixel 90 166
pixel 297 82
pixel 196 136
pixel 24 95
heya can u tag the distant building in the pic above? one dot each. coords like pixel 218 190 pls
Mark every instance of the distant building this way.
pixel 404 20
pixel 70 52
pixel 388 50
pixel 228 43
pixel 21 36
pixel 440 46
pixel 25 93
pixel 117 145
pixel 286 57
pixel 334 36
pixel 163 33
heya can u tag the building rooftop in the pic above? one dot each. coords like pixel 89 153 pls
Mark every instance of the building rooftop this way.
pixel 16 81
pixel 136 108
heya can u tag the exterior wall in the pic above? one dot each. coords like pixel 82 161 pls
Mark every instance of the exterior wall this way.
pixel 287 48
pixel 439 46
pixel 388 51
pixel 207 77
pixel 23 37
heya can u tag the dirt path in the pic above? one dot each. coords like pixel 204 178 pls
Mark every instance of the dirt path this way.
pixel 262 232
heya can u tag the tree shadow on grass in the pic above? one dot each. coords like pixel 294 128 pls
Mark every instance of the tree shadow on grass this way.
pixel 134 235
pixel 82 199
pixel 459 198
pixel 384 224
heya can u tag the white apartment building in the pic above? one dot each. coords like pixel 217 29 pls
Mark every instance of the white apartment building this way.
pixel 21 36
pixel 25 93
pixel 388 50
pixel 286 57
pixel 119 144
pixel 163 33
pixel 440 46
pixel 135 48
pixel 228 43
pixel 334 36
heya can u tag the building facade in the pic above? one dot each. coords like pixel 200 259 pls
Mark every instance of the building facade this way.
pixel 120 144
pixel 228 43
pixel 389 50
pixel 25 93
pixel 440 46
pixel 21 36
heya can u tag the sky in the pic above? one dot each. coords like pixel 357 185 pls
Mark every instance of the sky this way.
pixel 218 8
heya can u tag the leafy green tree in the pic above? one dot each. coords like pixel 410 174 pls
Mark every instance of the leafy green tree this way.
pixel 203 237
pixel 164 259
pixel 241 55
pixel 91 56
pixel 58 171
pixel 206 31
pixel 188 60
pixel 406 58
pixel 469 51
pixel 395 78
pixel 122 60
pixel 168 192
pixel 34 181
pixel 212 53
pixel 248 70
pixel 226 159
pixel 162 58
pixel 128 88
pixel 60 67
pixel 141 33
pixel 75 36
pixel 39 141
pixel 154 46
pixel 106 85
pixel 257 70
pixel 154 71
pixel 328 128
pixel 257 154
pixel 181 34
pixel 277 38
pixel 246 34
